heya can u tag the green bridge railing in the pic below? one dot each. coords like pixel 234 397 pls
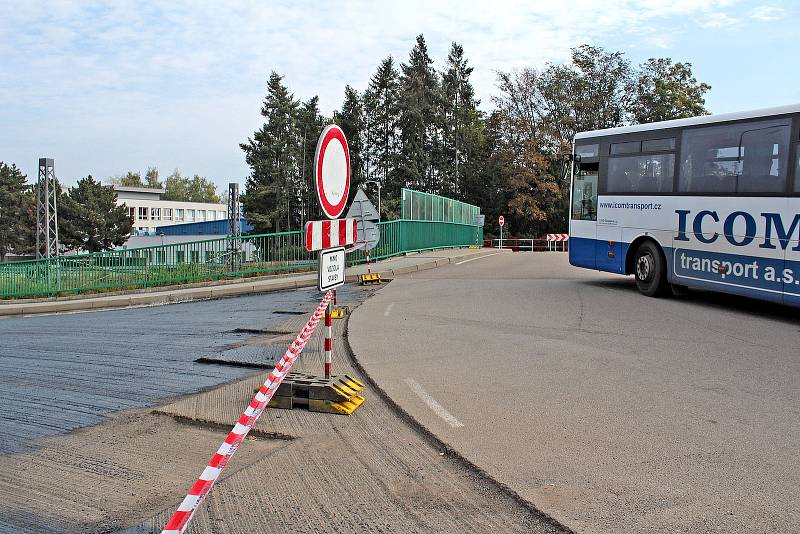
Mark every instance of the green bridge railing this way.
pixel 212 259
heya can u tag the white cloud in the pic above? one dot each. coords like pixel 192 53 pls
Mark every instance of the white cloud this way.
pixel 767 13
pixel 105 88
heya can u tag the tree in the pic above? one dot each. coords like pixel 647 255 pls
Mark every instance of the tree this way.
pixel 201 189
pixel 309 127
pixel 420 99
pixel 89 218
pixel 151 178
pixel 381 139
pixel 129 179
pixel 667 90
pixel 176 187
pixel 13 220
pixel 351 120
pixel 272 156
pixel 462 130
pixel 184 189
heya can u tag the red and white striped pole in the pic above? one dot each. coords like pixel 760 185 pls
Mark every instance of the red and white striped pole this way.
pixel 328 340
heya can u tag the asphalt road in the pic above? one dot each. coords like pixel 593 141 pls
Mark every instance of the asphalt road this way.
pixel 610 411
pixel 66 371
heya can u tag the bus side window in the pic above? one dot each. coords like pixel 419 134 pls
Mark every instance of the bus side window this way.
pixel 797 171
pixel 584 192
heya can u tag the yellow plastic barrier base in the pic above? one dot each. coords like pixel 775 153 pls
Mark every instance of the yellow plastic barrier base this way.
pixel 369 279
pixel 339 313
pixel 337 394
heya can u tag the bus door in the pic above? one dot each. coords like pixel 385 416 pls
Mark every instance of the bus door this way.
pixel 583 223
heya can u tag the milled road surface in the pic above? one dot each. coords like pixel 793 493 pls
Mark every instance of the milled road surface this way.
pixel 297 472
pixel 62 372
pixel 610 411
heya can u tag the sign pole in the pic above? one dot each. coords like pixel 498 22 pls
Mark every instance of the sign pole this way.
pixel 328 341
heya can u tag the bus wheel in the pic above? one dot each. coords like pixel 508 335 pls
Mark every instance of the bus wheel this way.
pixel 650 270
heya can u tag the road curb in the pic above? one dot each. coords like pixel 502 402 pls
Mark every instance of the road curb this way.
pixel 437 442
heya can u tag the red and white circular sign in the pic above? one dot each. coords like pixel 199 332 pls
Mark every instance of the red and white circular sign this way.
pixel 502 220
pixel 332 171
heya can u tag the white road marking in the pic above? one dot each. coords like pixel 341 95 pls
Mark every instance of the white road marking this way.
pixel 388 309
pixel 437 408
pixel 478 258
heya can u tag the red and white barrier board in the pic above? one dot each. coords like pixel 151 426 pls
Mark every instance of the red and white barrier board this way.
pixel 330 234
pixel 558 237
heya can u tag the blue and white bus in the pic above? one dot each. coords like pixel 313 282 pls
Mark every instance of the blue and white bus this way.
pixel 709 202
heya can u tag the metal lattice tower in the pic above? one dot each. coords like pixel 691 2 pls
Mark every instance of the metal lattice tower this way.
pixel 234 225
pixel 234 211
pixel 46 210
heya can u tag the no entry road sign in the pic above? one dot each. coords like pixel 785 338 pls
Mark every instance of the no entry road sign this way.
pixel 502 220
pixel 332 171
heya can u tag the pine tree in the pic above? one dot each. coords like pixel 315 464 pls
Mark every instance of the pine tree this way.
pixel 272 155
pixel 420 103
pixel 351 120
pixel 12 220
pixel 381 140
pixel 462 132
pixel 89 218
pixel 309 127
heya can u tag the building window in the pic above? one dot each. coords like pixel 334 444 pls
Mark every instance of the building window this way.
pixel 143 214
pixel 179 215
pixel 201 215
pixel 190 215
pixel 212 215
pixel 132 212
pixel 641 174
pixel 195 255
pixel 180 256
pixel 167 214
pixel 155 214
pixel 223 214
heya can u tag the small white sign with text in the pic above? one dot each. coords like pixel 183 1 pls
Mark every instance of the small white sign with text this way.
pixel 331 268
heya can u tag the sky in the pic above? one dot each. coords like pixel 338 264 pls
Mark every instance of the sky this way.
pixel 104 88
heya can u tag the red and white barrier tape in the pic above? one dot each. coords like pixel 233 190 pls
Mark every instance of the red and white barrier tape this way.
pixel 180 519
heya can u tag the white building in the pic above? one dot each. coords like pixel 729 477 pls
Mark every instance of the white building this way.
pixel 148 211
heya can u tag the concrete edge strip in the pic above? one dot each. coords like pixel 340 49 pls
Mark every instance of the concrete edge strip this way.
pixel 437 442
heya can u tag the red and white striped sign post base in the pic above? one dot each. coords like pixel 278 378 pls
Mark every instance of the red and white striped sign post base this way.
pixel 328 341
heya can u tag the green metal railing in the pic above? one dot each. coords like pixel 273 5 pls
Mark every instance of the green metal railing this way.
pixel 212 259
pixel 419 206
